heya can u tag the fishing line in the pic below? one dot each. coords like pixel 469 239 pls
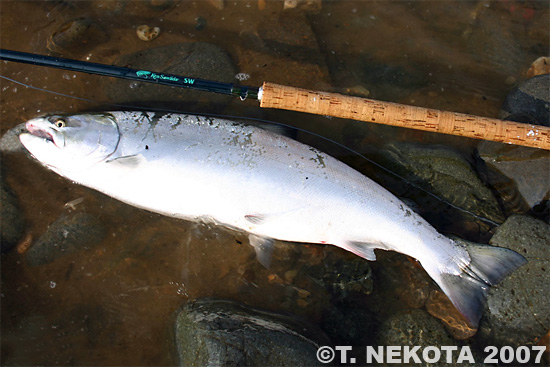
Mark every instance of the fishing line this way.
pixel 46 90
pixel 340 145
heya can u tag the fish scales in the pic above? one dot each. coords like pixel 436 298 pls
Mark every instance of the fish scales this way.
pixel 215 164
pixel 244 177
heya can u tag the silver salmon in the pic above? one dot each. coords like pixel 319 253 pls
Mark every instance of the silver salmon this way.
pixel 275 188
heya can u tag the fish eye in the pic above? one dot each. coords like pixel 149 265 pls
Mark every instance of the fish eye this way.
pixel 60 123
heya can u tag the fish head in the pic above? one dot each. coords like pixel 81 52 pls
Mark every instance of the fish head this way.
pixel 71 143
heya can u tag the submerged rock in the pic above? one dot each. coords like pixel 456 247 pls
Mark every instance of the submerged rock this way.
pixel 348 323
pixel 284 41
pixel 518 309
pixel 343 277
pixel 438 305
pixel 10 143
pixel 212 332
pixel 529 102
pixel 67 235
pixel 192 59
pixel 519 175
pixel 447 175
pixel 75 37
pixel 11 218
pixel 417 328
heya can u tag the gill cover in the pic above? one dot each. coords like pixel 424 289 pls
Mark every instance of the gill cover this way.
pixel 71 143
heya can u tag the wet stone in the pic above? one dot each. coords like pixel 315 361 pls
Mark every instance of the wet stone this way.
pixel 519 175
pixel 390 82
pixel 280 42
pixel 212 332
pixel 539 67
pixel 343 278
pixel 438 305
pixel 449 176
pixel 517 310
pixel 109 7
pixel 414 285
pixel 11 219
pixel 290 34
pixel 529 102
pixel 348 323
pixel 76 37
pixel 68 234
pixel 193 59
pixel 10 143
pixel 416 328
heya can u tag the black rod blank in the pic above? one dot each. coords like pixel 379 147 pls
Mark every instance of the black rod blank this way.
pixel 133 74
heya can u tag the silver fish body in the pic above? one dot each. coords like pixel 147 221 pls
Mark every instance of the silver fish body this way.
pixel 272 187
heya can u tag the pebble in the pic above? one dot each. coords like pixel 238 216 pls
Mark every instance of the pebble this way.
pixel 146 33
pixel 307 5
pixel 201 23
pixel 539 67
pixel 218 4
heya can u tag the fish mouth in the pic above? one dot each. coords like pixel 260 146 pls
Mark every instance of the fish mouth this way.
pixel 39 132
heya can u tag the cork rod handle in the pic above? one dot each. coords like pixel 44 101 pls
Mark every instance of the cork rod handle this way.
pixel 363 109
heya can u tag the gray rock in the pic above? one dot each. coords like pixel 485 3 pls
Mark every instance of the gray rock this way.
pixel 67 235
pixel 529 102
pixel 213 332
pixel 193 59
pixel 520 175
pixel 518 309
pixel 11 218
pixel 447 175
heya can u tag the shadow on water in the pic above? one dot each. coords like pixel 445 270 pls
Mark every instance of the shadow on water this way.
pixel 112 302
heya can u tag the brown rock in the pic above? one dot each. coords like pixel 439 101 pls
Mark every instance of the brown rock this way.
pixel 438 305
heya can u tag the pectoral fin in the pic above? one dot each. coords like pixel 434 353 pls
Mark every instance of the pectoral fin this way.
pixel 130 161
pixel 263 247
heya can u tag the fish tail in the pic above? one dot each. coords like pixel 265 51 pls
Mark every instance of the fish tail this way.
pixel 488 266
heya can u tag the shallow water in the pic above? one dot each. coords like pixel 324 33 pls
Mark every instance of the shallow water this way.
pixel 114 302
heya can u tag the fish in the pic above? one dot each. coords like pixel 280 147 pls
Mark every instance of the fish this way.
pixel 268 185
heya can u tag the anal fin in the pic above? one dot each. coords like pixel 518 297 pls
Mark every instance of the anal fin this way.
pixel 263 247
pixel 361 249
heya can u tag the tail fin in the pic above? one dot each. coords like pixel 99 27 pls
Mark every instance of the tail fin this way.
pixel 488 266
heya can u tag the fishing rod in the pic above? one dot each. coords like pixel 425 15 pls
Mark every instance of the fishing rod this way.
pixel 271 95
